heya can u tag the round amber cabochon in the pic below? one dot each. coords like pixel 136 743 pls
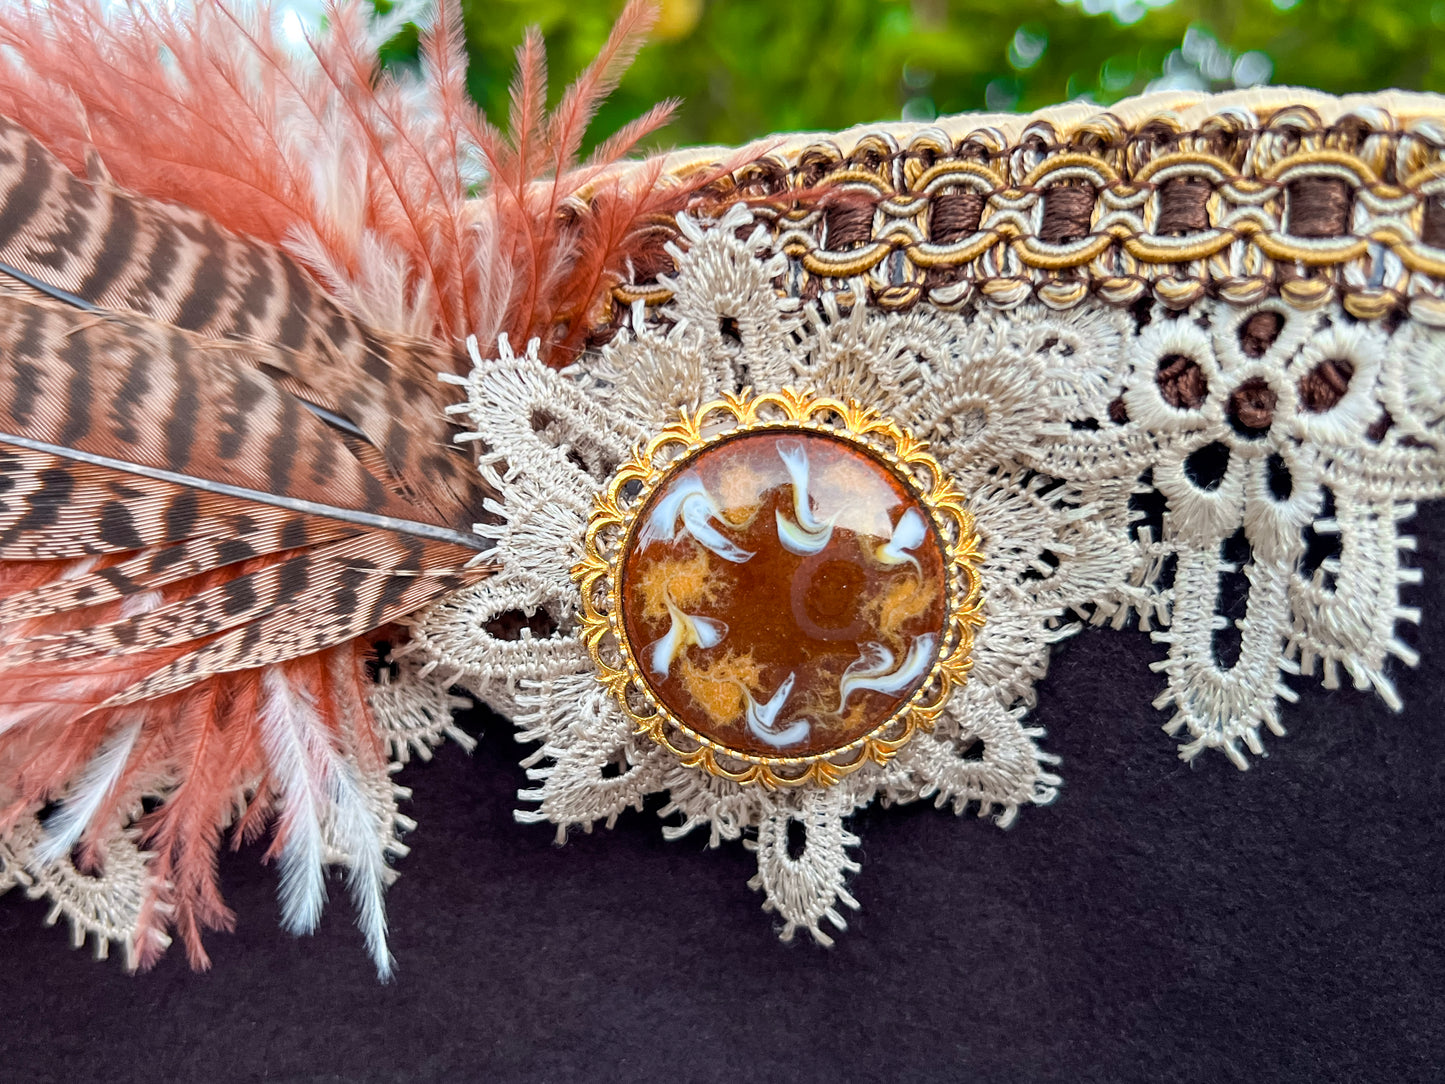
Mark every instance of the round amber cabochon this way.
pixel 783 593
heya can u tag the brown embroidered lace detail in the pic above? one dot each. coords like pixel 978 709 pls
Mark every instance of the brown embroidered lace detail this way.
pixel 1325 385
pixel 1182 382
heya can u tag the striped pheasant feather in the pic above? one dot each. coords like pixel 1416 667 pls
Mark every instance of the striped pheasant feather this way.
pixel 228 284
pixel 96 248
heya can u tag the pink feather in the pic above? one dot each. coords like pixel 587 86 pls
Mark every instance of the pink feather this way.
pixel 364 177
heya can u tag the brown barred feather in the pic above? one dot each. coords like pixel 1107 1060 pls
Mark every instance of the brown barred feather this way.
pixel 137 346
pixel 325 591
pixel 371 598
pixel 93 510
pixel 218 484
pixel 121 253
pixel 130 389
pixel 162 565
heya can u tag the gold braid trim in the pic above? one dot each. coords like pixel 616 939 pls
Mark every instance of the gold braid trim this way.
pixel 1243 196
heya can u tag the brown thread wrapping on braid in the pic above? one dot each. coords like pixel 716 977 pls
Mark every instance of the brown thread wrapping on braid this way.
pixel 1068 211
pixel 1183 205
pixel 956 215
pixel 1319 207
pixel 848 222
pixel 1432 228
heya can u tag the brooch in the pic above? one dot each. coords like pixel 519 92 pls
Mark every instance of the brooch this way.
pixel 764 481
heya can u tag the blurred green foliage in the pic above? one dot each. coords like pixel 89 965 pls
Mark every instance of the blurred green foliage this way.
pixel 744 68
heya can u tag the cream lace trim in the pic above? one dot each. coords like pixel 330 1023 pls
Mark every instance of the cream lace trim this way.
pixel 413 708
pixel 105 908
pixel 1106 491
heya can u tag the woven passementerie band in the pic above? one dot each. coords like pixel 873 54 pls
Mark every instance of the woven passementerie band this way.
pixel 1305 197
